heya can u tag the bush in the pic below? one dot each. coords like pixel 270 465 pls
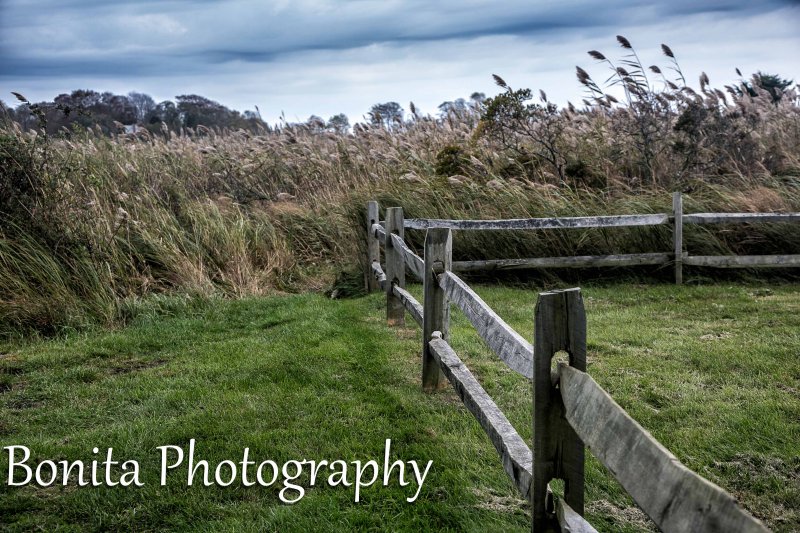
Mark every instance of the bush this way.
pixel 451 160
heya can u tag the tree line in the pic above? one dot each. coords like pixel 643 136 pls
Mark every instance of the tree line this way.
pixel 114 113
pixel 85 108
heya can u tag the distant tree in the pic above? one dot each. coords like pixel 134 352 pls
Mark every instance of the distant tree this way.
pixel 315 124
pixel 85 98
pixel 116 107
pixel 77 108
pixel 772 83
pixel 477 97
pixel 456 107
pixel 251 120
pixel 143 103
pixel 196 110
pixel 86 108
pixel 387 114
pixel 534 132
pixel 165 112
pixel 339 123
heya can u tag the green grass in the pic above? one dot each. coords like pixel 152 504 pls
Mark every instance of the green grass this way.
pixel 712 372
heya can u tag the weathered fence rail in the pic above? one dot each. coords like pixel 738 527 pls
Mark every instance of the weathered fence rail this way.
pixel 413 307
pixel 678 499
pixel 540 223
pixel 570 410
pixel 729 218
pixel 738 261
pixel 579 261
pixel 678 256
pixel 509 345
pixel 414 262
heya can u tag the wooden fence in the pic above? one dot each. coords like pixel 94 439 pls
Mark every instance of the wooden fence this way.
pixel 570 410
pixel 677 219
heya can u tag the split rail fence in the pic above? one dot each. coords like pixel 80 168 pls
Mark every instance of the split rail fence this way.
pixel 677 219
pixel 570 409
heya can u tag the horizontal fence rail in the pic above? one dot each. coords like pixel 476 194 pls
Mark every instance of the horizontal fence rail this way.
pixel 739 261
pixel 540 223
pixel 678 256
pixel 570 410
pixel 580 261
pixel 730 218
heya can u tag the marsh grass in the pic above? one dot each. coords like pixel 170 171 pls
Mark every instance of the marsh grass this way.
pixel 93 224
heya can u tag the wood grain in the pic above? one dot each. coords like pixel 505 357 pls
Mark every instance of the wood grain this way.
pixel 413 307
pixel 730 218
pixel 581 261
pixel 380 233
pixel 395 267
pixel 509 345
pixel 677 236
pixel 378 274
pixel 373 245
pixel 436 316
pixel 541 223
pixel 743 261
pixel 558 453
pixel 673 496
pixel 414 262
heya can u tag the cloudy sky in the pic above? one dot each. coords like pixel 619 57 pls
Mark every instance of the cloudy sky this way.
pixel 304 57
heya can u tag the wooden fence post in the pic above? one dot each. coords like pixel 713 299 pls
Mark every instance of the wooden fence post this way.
pixel 677 235
pixel 436 309
pixel 395 267
pixel 373 246
pixel 558 452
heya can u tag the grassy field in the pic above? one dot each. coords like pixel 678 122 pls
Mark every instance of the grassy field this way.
pixel 712 372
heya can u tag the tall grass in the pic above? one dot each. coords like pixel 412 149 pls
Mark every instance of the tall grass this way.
pixel 92 223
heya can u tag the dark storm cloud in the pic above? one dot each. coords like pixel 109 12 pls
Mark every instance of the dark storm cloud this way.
pixel 140 38
pixel 120 66
pixel 331 56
